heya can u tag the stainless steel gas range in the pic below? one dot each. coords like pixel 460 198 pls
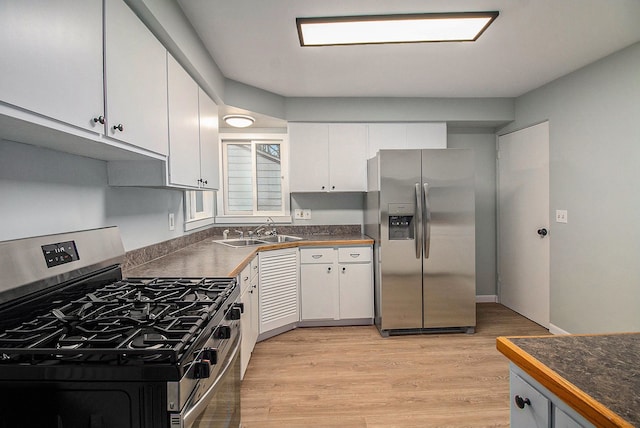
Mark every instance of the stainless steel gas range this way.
pixel 82 347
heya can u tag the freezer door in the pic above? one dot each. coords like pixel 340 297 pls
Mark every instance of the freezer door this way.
pixel 449 262
pixel 399 289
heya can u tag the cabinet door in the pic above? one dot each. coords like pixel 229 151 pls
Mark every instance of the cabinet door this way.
pixel 356 290
pixel 533 409
pixel 245 326
pixel 278 294
pixel 347 157
pixel 254 316
pixel 426 136
pixel 51 61
pixel 136 81
pixel 184 132
pixel 563 420
pixel 386 136
pixel 209 142
pixel 308 157
pixel 319 292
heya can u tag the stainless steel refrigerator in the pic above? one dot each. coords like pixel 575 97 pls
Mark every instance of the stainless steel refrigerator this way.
pixel 420 210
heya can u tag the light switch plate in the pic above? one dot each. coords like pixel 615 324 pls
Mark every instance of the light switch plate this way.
pixel 561 216
pixel 297 213
pixel 306 214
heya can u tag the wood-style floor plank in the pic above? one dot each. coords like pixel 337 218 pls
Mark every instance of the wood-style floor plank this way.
pixel 351 377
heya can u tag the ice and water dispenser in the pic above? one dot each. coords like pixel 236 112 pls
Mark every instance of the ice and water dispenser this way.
pixel 401 218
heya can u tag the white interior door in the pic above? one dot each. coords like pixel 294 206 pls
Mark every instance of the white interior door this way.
pixel 523 247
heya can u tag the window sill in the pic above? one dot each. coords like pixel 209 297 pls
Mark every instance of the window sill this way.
pixel 198 223
pixel 285 219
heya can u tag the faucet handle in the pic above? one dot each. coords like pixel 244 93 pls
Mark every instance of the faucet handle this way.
pixel 240 232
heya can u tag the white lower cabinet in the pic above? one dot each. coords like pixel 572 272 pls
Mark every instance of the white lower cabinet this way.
pixel 336 283
pixel 278 296
pixel 532 405
pixel 249 325
pixel 319 289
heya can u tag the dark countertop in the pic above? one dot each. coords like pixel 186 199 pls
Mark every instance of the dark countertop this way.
pixel 208 258
pixel 597 375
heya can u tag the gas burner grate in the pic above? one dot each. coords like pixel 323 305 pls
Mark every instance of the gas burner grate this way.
pixel 143 319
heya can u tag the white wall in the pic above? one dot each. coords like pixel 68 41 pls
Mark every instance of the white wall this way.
pixel 330 208
pixel 43 192
pixel 594 143
pixel 483 144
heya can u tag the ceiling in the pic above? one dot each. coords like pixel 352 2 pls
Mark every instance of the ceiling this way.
pixel 531 43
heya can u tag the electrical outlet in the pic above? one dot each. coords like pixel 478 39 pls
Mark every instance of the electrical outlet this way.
pixel 306 214
pixel 297 213
pixel 561 216
pixel 172 221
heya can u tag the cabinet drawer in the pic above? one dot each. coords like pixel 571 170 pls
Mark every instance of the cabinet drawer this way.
pixel 354 254
pixel 317 255
pixel 531 408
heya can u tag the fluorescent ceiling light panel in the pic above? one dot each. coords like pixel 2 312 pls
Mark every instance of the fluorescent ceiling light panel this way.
pixel 377 29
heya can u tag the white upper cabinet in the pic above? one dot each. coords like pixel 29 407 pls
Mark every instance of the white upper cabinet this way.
pixel 209 142
pixel 51 61
pixel 327 157
pixel 308 157
pixel 430 135
pixel 136 81
pixel 348 157
pixel 193 132
pixel 184 131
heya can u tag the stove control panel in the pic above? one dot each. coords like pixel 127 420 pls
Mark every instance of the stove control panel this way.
pixel 60 253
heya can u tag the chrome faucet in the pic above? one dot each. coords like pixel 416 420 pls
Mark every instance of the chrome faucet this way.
pixel 240 232
pixel 268 223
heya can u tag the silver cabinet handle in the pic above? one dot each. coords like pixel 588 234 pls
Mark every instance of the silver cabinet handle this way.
pixel 427 222
pixel 316 256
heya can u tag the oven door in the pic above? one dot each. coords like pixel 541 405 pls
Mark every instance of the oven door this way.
pixel 219 406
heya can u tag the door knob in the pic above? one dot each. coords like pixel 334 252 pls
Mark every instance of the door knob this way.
pixel 543 232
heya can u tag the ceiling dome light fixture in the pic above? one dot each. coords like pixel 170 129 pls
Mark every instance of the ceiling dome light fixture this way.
pixel 238 120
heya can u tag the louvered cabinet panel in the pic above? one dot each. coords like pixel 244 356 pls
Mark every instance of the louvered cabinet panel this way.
pixel 278 296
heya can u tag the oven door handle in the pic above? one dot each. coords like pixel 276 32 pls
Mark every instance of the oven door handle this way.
pixel 190 415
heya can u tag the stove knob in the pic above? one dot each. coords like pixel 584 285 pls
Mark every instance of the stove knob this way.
pixel 234 313
pixel 210 354
pixel 222 332
pixel 201 369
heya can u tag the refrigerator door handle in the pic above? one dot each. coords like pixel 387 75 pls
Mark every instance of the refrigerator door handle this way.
pixel 427 221
pixel 417 223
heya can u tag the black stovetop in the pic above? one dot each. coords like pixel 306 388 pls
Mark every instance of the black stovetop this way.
pixel 135 320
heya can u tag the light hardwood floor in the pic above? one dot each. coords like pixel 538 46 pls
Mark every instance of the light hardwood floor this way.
pixel 352 377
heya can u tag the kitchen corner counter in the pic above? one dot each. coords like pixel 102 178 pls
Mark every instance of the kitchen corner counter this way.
pixel 208 258
pixel 597 375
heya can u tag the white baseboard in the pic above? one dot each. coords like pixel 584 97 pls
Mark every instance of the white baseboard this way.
pixel 487 298
pixel 554 329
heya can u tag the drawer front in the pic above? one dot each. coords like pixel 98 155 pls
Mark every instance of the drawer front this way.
pixel 254 267
pixel 244 278
pixel 354 254
pixel 529 408
pixel 317 255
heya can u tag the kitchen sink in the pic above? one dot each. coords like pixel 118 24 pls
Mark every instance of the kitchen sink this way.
pixel 262 240
pixel 239 242
pixel 280 238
